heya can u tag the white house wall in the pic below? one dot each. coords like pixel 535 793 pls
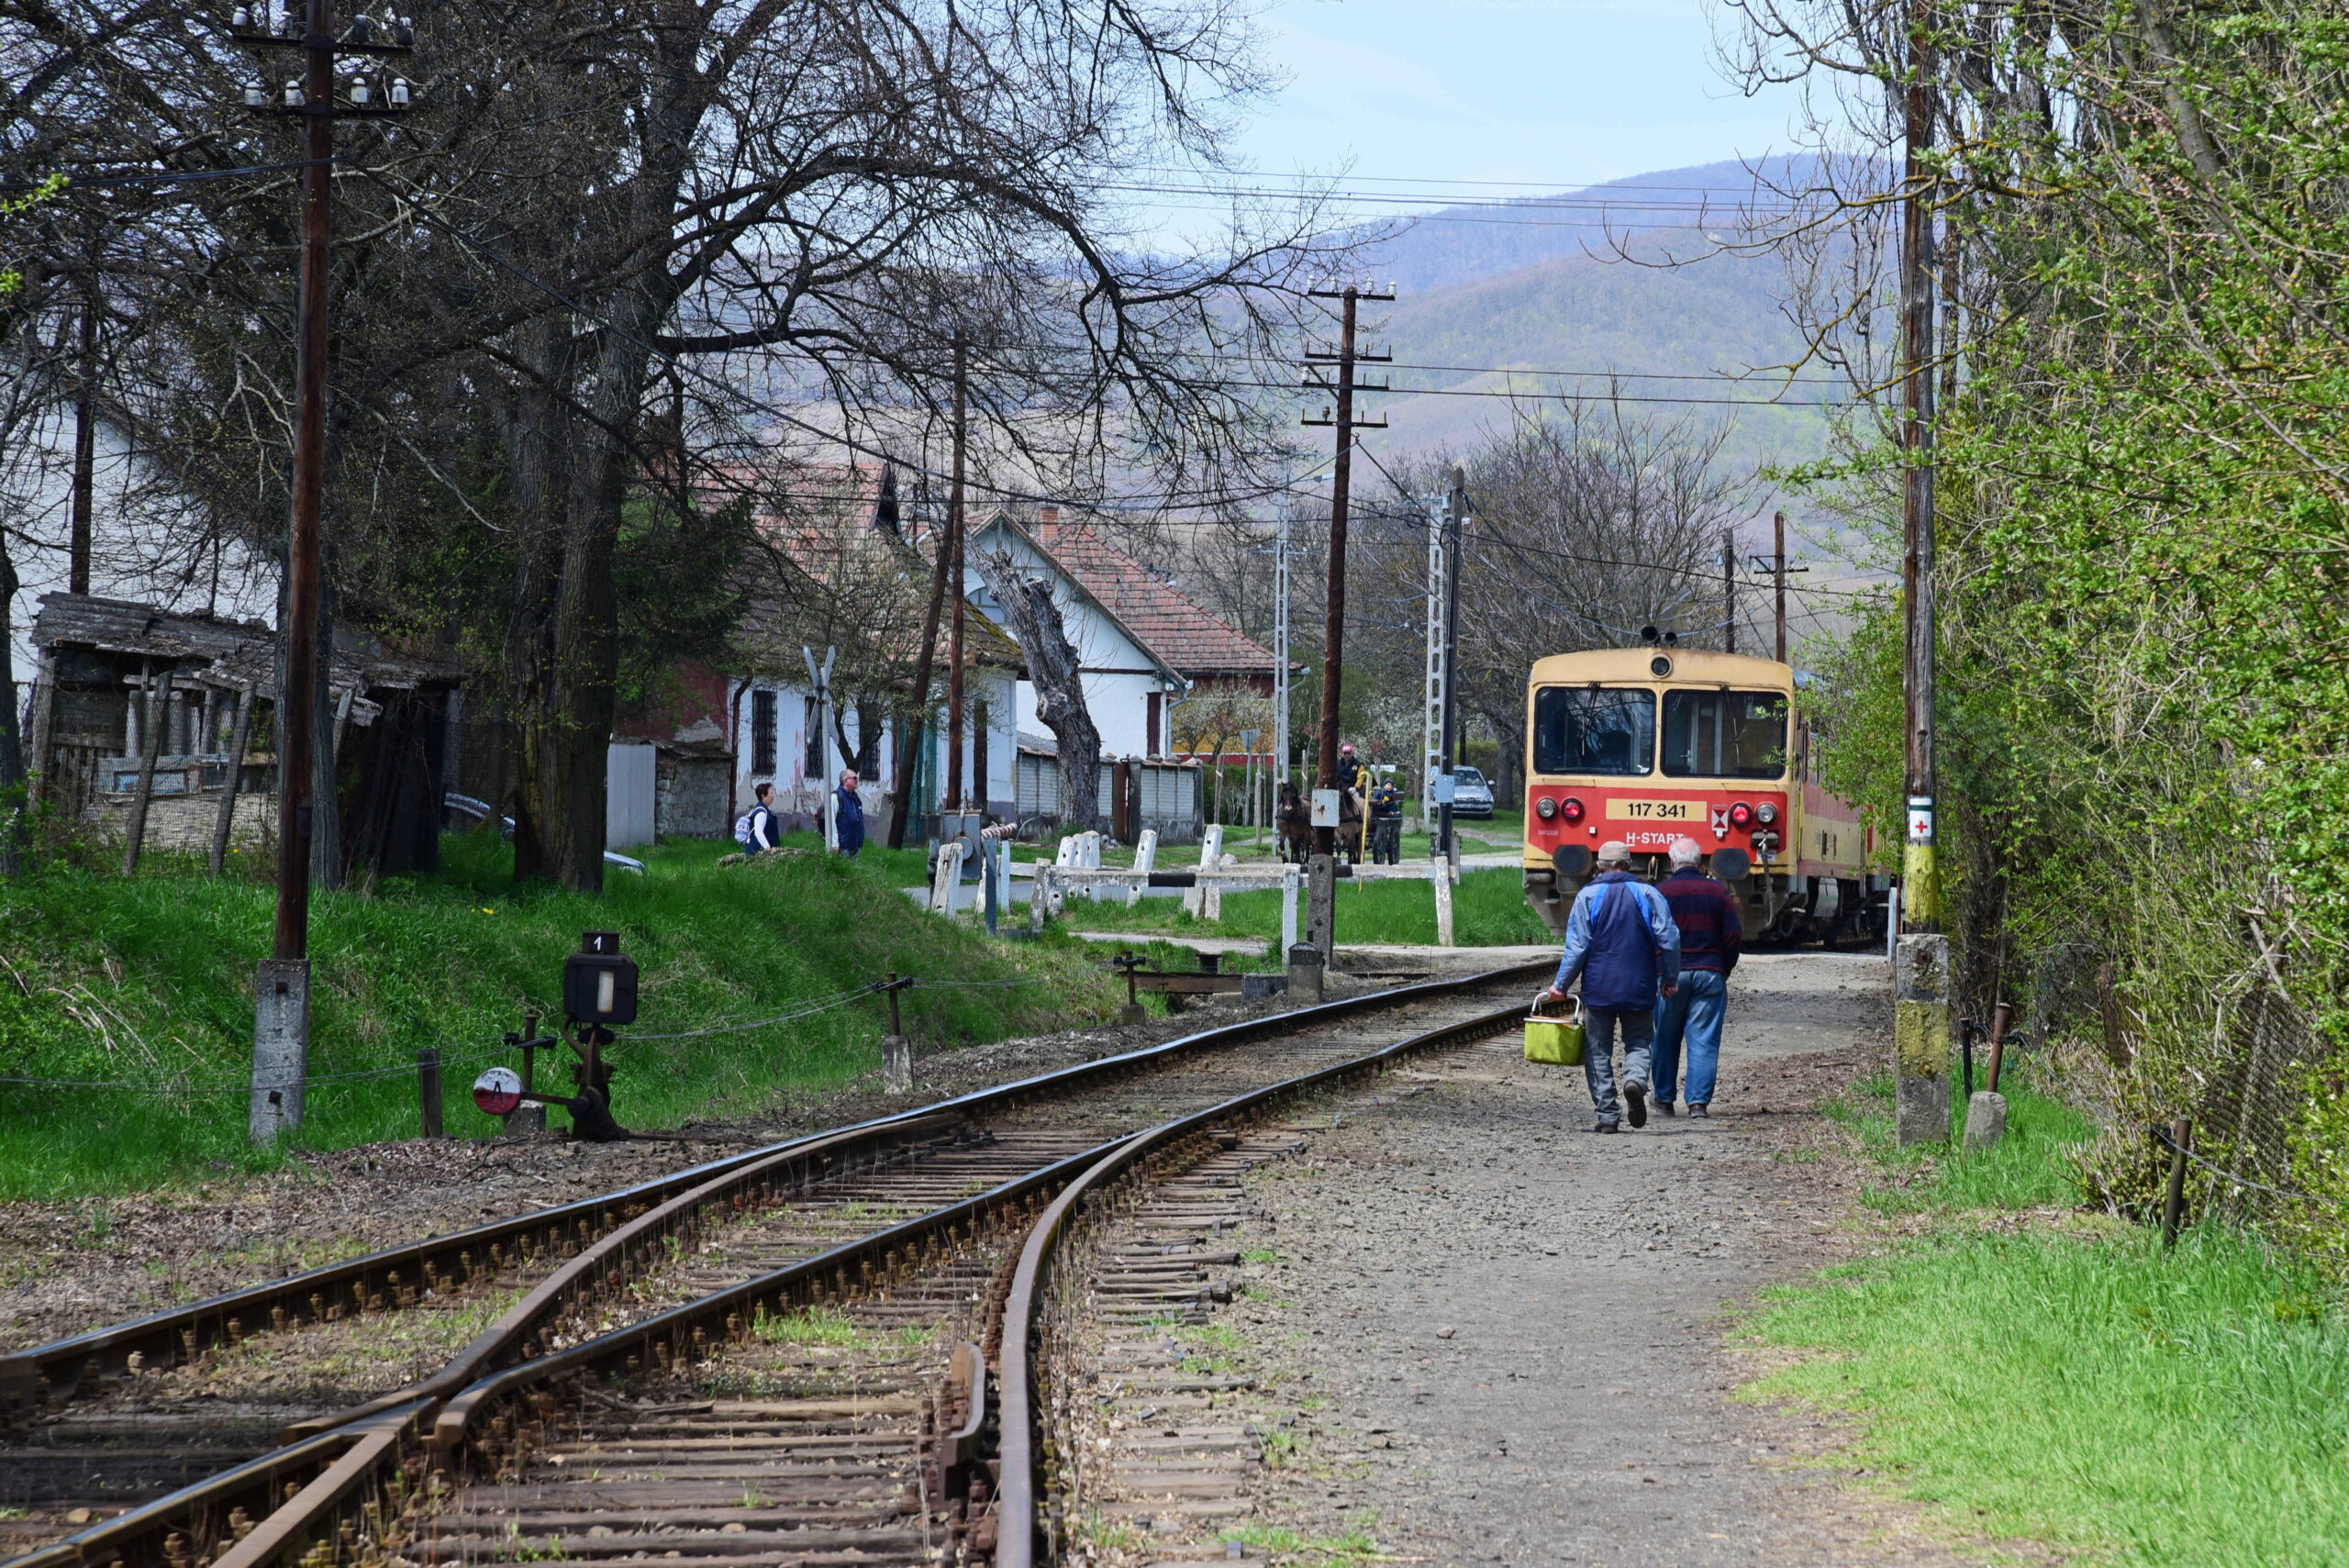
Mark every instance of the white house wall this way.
pixel 799 793
pixel 147 543
pixel 1118 677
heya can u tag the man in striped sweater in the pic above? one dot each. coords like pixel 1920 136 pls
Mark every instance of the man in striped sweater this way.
pixel 1710 939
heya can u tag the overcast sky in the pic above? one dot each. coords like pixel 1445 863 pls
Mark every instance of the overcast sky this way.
pixel 1559 92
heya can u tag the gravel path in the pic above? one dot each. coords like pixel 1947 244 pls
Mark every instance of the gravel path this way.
pixel 1503 1334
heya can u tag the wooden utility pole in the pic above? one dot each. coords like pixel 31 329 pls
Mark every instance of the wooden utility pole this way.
pixel 954 531
pixel 1281 760
pixel 1921 977
pixel 85 443
pixel 910 727
pixel 1455 515
pixel 1778 559
pixel 1321 874
pixel 1729 590
pixel 282 988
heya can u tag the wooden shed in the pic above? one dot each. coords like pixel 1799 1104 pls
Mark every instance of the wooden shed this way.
pixel 119 682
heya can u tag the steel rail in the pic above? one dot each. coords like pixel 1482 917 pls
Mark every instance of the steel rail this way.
pixel 232 1504
pixel 416 1430
pixel 512 1336
pixel 1020 1537
pixel 85 1365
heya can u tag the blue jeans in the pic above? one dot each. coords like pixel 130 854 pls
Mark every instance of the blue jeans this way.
pixel 1599 1059
pixel 1692 1013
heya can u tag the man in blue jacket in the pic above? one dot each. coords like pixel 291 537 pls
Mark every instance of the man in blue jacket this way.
pixel 1622 942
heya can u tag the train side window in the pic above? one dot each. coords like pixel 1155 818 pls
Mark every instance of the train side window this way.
pixel 1596 729
pixel 1725 735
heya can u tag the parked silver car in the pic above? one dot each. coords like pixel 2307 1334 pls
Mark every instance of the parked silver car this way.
pixel 1471 796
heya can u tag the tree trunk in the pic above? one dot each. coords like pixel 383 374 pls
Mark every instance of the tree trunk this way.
pixel 570 477
pixel 15 805
pixel 1060 688
pixel 867 750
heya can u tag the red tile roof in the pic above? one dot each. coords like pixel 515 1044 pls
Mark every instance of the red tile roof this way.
pixel 1168 621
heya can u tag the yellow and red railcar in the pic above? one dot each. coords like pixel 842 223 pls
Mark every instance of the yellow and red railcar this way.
pixel 1650 744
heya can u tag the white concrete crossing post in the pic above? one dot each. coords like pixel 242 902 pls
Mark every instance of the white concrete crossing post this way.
pixel 1145 859
pixel 947 879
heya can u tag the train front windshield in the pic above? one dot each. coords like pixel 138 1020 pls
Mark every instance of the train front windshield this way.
pixel 1594 729
pixel 1724 734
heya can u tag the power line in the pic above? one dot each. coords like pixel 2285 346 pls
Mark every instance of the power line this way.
pixel 1450 216
pixel 1565 187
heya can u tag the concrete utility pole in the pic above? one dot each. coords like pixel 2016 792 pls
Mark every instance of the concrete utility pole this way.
pixel 828 805
pixel 282 986
pixel 954 798
pixel 1322 913
pixel 1920 970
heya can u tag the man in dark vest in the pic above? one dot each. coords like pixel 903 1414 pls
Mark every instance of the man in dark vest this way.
pixel 1710 939
pixel 1622 940
pixel 850 821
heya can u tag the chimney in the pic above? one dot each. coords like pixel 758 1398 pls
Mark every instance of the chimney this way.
pixel 1048 513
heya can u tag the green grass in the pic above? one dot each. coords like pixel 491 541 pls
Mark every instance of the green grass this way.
pixel 1275 1545
pixel 2028 1169
pixel 2068 1382
pixel 814 1326
pixel 1488 910
pixel 149 982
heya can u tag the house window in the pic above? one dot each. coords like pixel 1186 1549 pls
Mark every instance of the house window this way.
pixel 762 715
pixel 1153 746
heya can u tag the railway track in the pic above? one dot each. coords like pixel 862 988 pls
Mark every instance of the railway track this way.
pixel 805 1302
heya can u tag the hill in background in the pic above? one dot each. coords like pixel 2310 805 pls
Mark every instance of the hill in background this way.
pixel 1624 280
pixel 1618 279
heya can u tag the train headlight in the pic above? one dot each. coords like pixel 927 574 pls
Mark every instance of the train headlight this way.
pixel 1765 813
pixel 1572 809
pixel 1545 808
pixel 1740 815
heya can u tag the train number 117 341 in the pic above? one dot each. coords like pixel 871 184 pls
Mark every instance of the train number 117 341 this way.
pixel 1653 810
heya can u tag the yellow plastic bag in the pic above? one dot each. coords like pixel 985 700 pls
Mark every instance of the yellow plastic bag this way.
pixel 1555 1042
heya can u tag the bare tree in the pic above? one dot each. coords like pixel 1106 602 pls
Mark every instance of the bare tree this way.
pixel 1592 523
pixel 1054 666
pixel 600 212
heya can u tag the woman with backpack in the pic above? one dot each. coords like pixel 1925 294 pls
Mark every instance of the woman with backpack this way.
pixel 755 828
